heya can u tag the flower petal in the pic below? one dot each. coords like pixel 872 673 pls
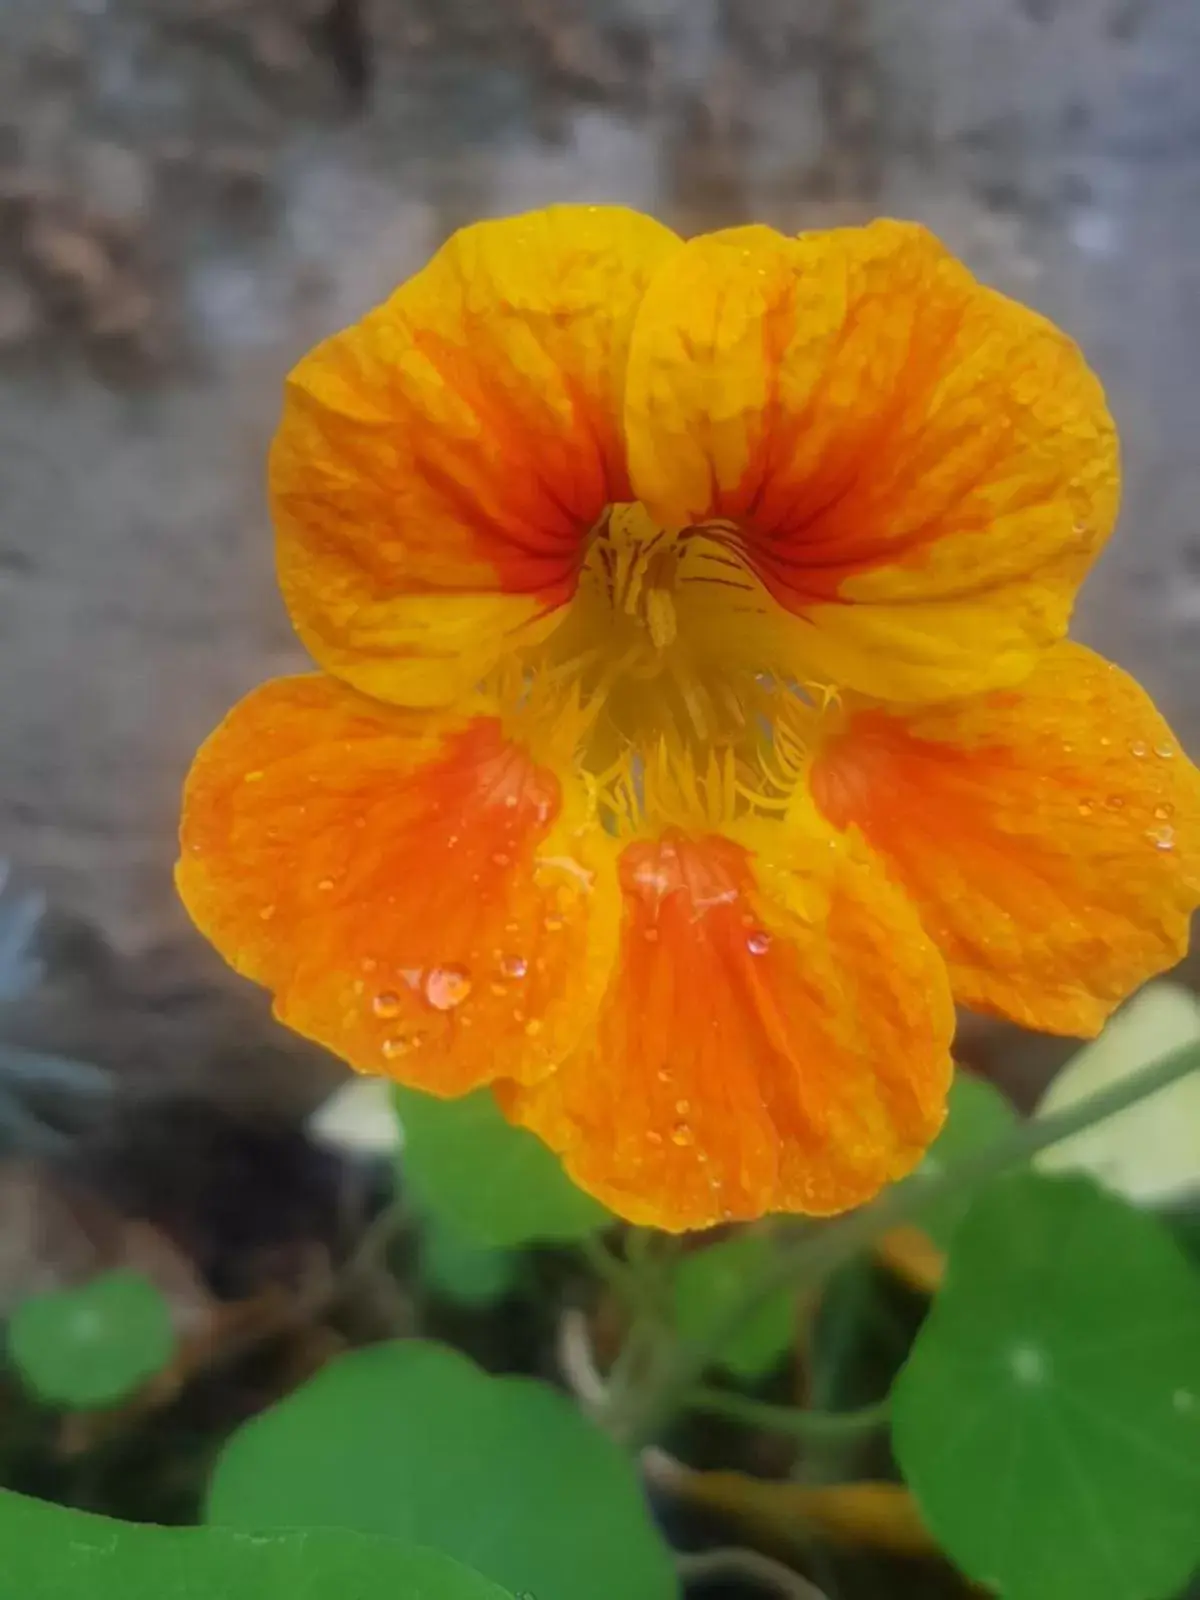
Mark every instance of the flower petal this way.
pixel 1048 834
pixel 775 1038
pixel 419 895
pixel 921 471
pixel 439 464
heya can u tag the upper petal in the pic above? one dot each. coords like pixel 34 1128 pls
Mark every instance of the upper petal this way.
pixel 775 1037
pixel 921 470
pixel 1048 834
pixel 438 465
pixel 417 892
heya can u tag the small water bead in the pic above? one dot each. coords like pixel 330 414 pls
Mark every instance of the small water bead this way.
pixel 447 987
pixel 758 942
pixel 386 1004
pixel 1164 811
pixel 1164 750
pixel 1139 748
pixel 683 1107
pixel 682 1136
pixel 654 1138
pixel 1162 838
pixel 401 1044
pixel 514 966
pixel 1086 808
pixel 533 1027
pixel 325 885
pixel 267 913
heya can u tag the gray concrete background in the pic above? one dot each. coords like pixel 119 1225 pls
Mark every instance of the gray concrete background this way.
pixel 189 197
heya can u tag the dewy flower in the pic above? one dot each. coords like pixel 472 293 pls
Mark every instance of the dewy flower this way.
pixel 695 723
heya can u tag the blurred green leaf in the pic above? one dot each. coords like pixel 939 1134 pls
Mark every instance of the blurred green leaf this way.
pixel 459 1270
pixel 413 1441
pixel 50 1553
pixel 1048 1418
pixel 496 1184
pixel 1150 1152
pixel 710 1282
pixel 977 1115
pixel 94 1345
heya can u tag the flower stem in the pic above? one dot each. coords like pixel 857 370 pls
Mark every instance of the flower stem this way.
pixel 817 1252
pixel 800 1424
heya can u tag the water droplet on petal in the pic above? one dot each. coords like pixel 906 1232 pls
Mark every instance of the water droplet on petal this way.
pixel 1164 811
pixel 758 942
pixel 447 987
pixel 514 966
pixel 663 1076
pixel 682 1135
pixel 400 1044
pixel 533 1027
pixel 1105 741
pixel 1166 751
pixel 1162 838
pixel 324 885
pixel 386 1004
pixel 653 1138
pixel 267 913
pixel 1139 748
pixel 683 1107
pixel 1086 808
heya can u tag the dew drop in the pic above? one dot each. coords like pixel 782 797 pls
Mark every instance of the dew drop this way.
pixel 1105 741
pixel 267 913
pixel 1139 748
pixel 325 885
pixel 514 966
pixel 1086 808
pixel 758 942
pixel 401 1044
pixel 682 1135
pixel 386 1004
pixel 533 1027
pixel 653 1138
pixel 1166 751
pixel 1164 811
pixel 510 800
pixel 663 1076
pixel 447 987
pixel 1162 838
pixel 683 1107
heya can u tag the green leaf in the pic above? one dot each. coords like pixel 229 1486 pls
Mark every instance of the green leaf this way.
pixel 50 1553
pixel 496 1184
pixel 977 1115
pixel 459 1270
pixel 1048 1418
pixel 709 1282
pixel 1150 1152
pixel 92 1346
pixel 413 1441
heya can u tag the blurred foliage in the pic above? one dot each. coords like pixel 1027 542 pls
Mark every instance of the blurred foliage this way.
pixel 92 1346
pixel 708 1284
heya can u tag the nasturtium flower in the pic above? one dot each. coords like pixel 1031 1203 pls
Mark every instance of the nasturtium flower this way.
pixel 695 723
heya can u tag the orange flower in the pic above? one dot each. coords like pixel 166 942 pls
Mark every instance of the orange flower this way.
pixel 697 722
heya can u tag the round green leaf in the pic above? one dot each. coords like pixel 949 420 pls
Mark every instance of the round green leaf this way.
pixel 413 1441
pixel 459 1270
pixel 708 1283
pixel 1048 1419
pixel 977 1115
pixel 50 1553
pixel 496 1184
pixel 92 1346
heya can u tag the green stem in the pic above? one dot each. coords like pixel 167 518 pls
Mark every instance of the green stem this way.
pixel 788 1419
pixel 812 1257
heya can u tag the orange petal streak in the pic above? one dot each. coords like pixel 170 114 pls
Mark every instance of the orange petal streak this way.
pixel 770 1041
pixel 1049 835
pixel 418 895
pixel 919 470
pixel 438 465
